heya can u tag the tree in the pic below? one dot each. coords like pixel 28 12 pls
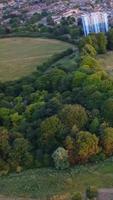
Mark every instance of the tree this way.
pixel 60 157
pixel 73 115
pixel 21 153
pixel 110 39
pixel 35 18
pixel 107 109
pixel 89 50
pixel 78 78
pixel 91 62
pixel 27 89
pixel 74 32
pixel 94 99
pixel 16 119
pixel 107 141
pixel 4 116
pixel 2 30
pixel 50 21
pixel 101 42
pixel 86 146
pixel 94 126
pixel 55 78
pixel 5 150
pixel 51 130
pixel 4 144
pixel 69 143
pixel 84 41
pixel 94 43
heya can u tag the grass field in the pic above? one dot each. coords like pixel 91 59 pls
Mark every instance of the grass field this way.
pixel 39 183
pixel 106 61
pixel 20 56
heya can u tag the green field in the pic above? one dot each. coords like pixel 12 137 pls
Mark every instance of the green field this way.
pixel 106 61
pixel 20 56
pixel 40 183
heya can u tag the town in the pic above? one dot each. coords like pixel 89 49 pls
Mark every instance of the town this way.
pixel 56 9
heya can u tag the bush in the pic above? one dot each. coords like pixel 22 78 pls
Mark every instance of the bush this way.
pixel 60 157
pixel 91 192
pixel 46 160
pixel 98 158
pixel 77 196
pixel 4 168
pixel 18 169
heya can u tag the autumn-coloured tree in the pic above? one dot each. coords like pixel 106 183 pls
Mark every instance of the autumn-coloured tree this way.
pixel 107 140
pixel 86 145
pixel 73 115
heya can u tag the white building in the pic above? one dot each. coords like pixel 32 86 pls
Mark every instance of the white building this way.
pixel 95 22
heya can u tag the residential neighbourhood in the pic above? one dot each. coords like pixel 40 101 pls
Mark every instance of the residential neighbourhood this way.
pixel 57 9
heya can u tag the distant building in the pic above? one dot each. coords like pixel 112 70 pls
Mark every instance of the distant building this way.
pixel 95 22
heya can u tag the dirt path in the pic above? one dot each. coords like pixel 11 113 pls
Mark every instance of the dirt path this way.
pixel 105 194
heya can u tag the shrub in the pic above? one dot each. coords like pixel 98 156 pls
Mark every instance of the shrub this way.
pixel 60 157
pixel 77 196
pixel 4 168
pixel 107 141
pixel 18 169
pixel 98 158
pixel 91 192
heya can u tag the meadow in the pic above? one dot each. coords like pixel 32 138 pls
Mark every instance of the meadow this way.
pixel 106 61
pixel 41 183
pixel 20 56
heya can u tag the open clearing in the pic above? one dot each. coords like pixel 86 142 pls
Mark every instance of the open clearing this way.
pixel 40 183
pixel 106 61
pixel 20 56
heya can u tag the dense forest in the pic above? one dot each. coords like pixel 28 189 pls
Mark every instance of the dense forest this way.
pixel 59 115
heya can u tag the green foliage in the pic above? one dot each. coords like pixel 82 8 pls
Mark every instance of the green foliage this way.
pixel 78 79
pixel 94 126
pixel 107 140
pixel 4 144
pixel 66 103
pixel 91 192
pixel 102 43
pixel 4 116
pixel 21 154
pixel 69 142
pixel 14 151
pixel 73 115
pixel 107 109
pixel 89 50
pixel 60 157
pixel 89 61
pixel 96 43
pixel 51 131
pixel 86 145
pixel 110 39
pixel 16 119
pixel 76 196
